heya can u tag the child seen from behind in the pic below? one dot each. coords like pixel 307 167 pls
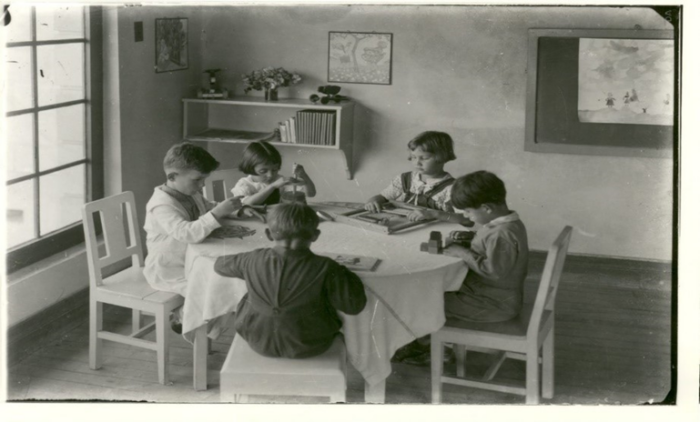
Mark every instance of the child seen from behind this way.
pixel 293 296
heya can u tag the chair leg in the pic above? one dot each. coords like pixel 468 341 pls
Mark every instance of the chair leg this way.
pixel 548 366
pixel 162 346
pixel 135 320
pixel 95 327
pixel 436 364
pixel 460 359
pixel 532 375
pixel 338 397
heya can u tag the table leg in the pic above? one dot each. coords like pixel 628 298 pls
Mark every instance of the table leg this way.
pixel 375 393
pixel 200 358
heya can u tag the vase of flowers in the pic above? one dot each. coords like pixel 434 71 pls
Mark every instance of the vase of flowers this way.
pixel 270 79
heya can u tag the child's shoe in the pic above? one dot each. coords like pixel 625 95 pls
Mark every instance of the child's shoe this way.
pixel 411 349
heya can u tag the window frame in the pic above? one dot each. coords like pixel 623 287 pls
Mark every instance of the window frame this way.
pixel 56 241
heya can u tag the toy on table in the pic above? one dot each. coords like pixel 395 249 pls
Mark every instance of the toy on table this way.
pixel 232 230
pixel 435 245
pixel 293 192
pixel 392 218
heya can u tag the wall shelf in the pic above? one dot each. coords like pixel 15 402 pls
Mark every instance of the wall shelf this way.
pixel 247 119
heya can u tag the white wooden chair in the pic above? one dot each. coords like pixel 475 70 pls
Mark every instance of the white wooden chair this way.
pixel 127 288
pixel 245 373
pixel 218 185
pixel 530 337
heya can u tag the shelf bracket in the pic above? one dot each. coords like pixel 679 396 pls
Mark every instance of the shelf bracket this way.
pixel 347 155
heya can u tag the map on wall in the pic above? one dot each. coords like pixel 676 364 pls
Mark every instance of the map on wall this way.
pixel 625 81
pixel 359 57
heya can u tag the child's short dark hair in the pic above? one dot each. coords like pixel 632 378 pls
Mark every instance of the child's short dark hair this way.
pixel 438 143
pixel 292 221
pixel 187 156
pixel 476 189
pixel 259 152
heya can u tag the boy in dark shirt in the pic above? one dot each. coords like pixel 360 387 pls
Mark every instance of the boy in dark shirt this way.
pixel 293 296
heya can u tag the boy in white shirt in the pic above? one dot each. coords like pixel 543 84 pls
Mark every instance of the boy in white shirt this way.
pixel 178 214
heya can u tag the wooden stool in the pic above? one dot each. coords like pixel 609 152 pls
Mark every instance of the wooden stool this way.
pixel 245 373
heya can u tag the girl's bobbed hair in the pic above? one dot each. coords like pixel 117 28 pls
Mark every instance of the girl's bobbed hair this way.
pixel 438 143
pixel 259 152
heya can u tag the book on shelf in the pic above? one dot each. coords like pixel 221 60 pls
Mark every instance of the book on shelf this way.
pixel 316 127
pixel 293 129
pixel 283 132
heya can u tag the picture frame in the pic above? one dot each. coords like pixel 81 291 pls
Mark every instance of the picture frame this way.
pixel 360 57
pixel 557 90
pixel 172 44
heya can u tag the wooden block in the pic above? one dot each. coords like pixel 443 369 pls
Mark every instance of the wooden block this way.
pixel 424 247
pixel 434 247
pixel 434 235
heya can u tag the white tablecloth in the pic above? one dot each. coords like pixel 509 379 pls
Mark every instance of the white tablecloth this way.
pixel 404 293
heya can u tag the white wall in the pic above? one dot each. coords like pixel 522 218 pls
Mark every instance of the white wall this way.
pixel 461 70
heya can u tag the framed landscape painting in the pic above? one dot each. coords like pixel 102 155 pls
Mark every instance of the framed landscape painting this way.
pixel 359 57
pixel 171 44
pixel 602 92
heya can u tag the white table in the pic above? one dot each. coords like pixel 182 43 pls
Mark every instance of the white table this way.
pixel 404 293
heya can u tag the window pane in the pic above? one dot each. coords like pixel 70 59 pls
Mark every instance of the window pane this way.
pixel 19 78
pixel 20 213
pixel 20 148
pixel 61 136
pixel 59 22
pixel 19 28
pixel 60 73
pixel 62 195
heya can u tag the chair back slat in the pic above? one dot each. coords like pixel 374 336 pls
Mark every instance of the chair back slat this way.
pixel 549 284
pixel 117 214
pixel 220 180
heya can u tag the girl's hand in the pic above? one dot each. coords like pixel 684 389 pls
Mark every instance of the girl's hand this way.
pixel 418 215
pixel 227 207
pixel 299 172
pixel 282 181
pixel 251 212
pixel 373 206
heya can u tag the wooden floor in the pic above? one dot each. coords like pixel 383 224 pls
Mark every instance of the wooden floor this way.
pixel 612 346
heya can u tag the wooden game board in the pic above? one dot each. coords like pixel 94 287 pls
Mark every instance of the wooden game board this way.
pixel 392 218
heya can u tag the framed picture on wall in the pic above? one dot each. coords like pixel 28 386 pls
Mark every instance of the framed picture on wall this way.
pixel 171 44
pixel 601 92
pixel 359 57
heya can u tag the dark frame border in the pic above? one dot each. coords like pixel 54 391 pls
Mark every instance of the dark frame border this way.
pixel 535 142
pixel 391 57
pixel 187 45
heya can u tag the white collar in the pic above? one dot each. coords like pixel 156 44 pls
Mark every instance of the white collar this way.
pixel 513 216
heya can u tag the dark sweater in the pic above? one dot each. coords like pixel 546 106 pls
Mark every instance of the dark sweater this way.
pixel 293 297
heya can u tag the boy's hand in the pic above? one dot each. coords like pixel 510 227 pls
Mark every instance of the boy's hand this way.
pixel 227 207
pixel 454 251
pixel 373 206
pixel 418 215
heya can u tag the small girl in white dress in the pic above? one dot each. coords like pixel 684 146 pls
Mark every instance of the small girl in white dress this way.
pixel 262 163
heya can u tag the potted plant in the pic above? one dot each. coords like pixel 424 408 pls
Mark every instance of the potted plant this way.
pixel 269 79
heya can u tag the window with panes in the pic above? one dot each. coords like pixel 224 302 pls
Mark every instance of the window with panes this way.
pixel 47 130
